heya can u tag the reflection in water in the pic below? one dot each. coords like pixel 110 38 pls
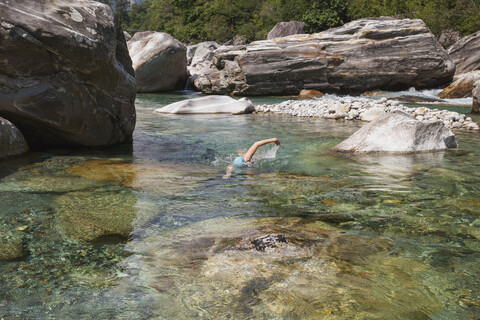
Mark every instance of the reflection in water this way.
pixel 153 231
pixel 396 172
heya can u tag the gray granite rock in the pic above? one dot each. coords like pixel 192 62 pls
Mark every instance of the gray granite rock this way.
pixel 283 29
pixel 159 60
pixel 476 98
pixel 398 132
pixel 12 142
pixel 465 53
pixel 448 37
pixel 66 76
pixel 366 54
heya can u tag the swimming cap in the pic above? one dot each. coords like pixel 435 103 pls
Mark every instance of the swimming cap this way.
pixel 239 161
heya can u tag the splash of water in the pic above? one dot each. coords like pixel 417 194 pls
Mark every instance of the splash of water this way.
pixel 267 153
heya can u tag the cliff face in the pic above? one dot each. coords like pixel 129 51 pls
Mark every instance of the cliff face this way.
pixel 362 55
pixel 66 76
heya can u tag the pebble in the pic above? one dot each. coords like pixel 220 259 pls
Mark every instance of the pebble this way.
pixel 349 109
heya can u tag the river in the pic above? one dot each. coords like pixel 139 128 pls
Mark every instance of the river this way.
pixel 152 230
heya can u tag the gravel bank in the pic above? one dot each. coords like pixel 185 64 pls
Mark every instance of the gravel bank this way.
pixel 366 110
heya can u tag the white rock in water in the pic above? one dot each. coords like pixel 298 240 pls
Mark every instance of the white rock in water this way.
pixel 209 104
pixel 371 114
pixel 398 132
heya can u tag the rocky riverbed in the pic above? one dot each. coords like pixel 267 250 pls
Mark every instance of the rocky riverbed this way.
pixel 364 109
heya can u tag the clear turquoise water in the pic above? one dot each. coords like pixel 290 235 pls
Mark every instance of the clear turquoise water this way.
pixel 153 231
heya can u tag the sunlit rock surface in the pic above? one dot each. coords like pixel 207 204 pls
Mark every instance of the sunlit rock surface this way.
pixel 465 53
pixel 66 77
pixel 283 29
pixel 462 86
pixel 12 142
pixel 398 132
pixel 209 104
pixel 159 60
pixel 476 98
pixel 366 54
pixel 276 268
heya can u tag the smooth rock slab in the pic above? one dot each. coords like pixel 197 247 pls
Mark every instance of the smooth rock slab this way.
pixel 159 60
pixel 12 142
pixel 209 104
pixel 465 53
pixel 283 29
pixel 398 132
pixel 66 76
pixel 366 54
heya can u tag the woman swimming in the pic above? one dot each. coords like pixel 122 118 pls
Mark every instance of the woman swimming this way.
pixel 240 160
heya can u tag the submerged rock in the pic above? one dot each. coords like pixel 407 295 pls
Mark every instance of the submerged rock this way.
pixel 462 86
pixel 465 53
pixel 209 104
pixel 159 60
pixel 160 178
pixel 11 244
pixel 277 268
pixel 366 54
pixel 12 142
pixel 283 29
pixel 88 216
pixel 398 132
pixel 67 78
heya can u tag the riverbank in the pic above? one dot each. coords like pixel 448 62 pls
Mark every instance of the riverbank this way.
pixel 364 109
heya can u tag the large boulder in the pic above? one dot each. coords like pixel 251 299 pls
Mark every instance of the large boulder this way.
pixel 283 29
pixel 200 57
pixel 209 104
pixel 366 54
pixel 67 78
pixel 476 98
pixel 465 53
pixel 12 142
pixel 201 52
pixel 462 86
pixel 398 132
pixel 159 60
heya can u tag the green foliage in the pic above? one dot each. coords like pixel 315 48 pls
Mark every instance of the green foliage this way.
pixel 197 20
pixel 437 14
pixel 325 14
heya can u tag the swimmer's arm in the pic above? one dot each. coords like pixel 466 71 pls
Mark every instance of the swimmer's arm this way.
pixel 228 173
pixel 249 154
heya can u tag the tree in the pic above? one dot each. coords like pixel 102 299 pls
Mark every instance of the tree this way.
pixel 325 14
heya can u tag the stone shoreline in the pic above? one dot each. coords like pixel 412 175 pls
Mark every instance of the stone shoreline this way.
pixel 364 109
